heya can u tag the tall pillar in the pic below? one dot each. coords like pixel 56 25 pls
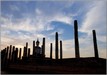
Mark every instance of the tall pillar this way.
pixel 51 50
pixel 20 53
pixel 28 52
pixel 60 49
pixel 76 39
pixel 33 47
pixel 43 47
pixel 10 52
pixel 95 44
pixel 56 45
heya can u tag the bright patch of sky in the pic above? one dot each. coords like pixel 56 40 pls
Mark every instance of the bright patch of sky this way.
pixel 25 21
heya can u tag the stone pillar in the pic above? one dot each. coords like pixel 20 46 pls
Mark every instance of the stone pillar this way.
pixel 51 51
pixel 42 51
pixel 3 55
pixel 43 48
pixel 76 39
pixel 26 49
pixel 7 55
pixel 10 52
pixel 28 52
pixel 20 53
pixel 7 52
pixel 16 54
pixel 33 47
pixel 56 46
pixel 60 49
pixel 13 53
pixel 95 44
pixel 25 52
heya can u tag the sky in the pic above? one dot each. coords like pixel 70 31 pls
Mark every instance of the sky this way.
pixel 25 21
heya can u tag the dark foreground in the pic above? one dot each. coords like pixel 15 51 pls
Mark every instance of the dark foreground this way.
pixel 64 66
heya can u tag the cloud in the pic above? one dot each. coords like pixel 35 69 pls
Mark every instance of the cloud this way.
pixel 94 18
pixel 23 25
pixel 38 11
pixel 60 31
pixel 14 8
pixel 62 18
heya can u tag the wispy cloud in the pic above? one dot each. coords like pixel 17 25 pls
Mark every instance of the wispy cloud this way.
pixel 38 12
pixel 14 8
pixel 63 18
pixel 60 31
pixel 94 18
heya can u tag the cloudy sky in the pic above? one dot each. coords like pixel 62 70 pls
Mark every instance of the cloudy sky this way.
pixel 25 21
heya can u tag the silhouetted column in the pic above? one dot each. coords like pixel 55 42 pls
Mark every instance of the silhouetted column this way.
pixel 60 49
pixel 33 47
pixel 25 52
pixel 26 48
pixel 43 50
pixel 51 50
pixel 3 53
pixel 7 55
pixel 95 44
pixel 20 53
pixel 13 53
pixel 16 54
pixel 56 45
pixel 10 52
pixel 76 39
pixel 28 52
pixel 7 52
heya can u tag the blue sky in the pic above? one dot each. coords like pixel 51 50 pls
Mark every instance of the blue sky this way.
pixel 25 21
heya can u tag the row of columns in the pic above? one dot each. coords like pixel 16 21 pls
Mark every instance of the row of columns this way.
pixel 77 53
pixel 12 52
pixel 56 48
pixel 26 51
pixel 56 51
